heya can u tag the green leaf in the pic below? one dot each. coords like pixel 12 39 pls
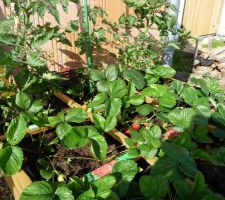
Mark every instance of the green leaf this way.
pixel 201 155
pixel 92 131
pixel 128 169
pixel 140 3
pixel 218 118
pixel 16 130
pixel 151 79
pixel 110 123
pixel 182 189
pixel 156 132
pixel 87 195
pixel 72 26
pixel 63 193
pixel 199 185
pixel 6 25
pixel 150 185
pixel 43 39
pixel 190 96
pixel 152 141
pixel 99 147
pixel 114 107
pixel 99 120
pixel 76 138
pixel 11 159
pixel 112 111
pixel 221 109
pixel 181 155
pixel 200 135
pixel 34 60
pixel 57 119
pixel 46 174
pixel 36 106
pixel 202 84
pixel 177 86
pixel 165 72
pixel 117 88
pixel 218 156
pixel 102 86
pixel 111 73
pixel 137 100
pixel 98 100
pixel 168 100
pixel 204 111
pixel 133 152
pixel 174 151
pixel 155 91
pixel 174 45
pixel 77 115
pixel 97 75
pixel 39 190
pixel 63 129
pixel 182 118
pixel 104 184
pixel 145 109
pixel 134 76
pixel 167 167
pixel 55 13
pixel 23 100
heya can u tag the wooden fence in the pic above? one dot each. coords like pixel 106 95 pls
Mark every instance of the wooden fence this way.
pixel 200 16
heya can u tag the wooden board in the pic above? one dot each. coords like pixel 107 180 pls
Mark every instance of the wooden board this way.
pixel 202 17
pixel 17 183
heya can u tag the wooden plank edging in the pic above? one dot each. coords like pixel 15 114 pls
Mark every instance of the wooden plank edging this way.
pixel 17 183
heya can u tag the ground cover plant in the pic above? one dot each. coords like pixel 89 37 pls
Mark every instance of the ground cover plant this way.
pixel 176 126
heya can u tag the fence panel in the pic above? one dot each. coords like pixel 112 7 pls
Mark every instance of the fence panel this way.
pixel 202 16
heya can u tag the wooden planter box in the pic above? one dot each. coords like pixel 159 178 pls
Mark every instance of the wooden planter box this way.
pixel 18 182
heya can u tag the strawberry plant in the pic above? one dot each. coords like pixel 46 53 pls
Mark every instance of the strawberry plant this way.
pixel 175 126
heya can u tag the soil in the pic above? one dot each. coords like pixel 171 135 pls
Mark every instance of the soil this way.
pixel 214 176
pixel 70 162
pixel 5 193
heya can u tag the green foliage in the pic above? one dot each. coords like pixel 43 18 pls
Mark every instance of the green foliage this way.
pixel 150 187
pixel 25 59
pixel 16 130
pixel 43 190
pixel 166 121
pixel 11 159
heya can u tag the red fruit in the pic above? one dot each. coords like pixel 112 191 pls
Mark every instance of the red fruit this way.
pixel 127 131
pixel 171 134
pixel 136 127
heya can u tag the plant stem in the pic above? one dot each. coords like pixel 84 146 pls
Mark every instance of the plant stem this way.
pixel 74 157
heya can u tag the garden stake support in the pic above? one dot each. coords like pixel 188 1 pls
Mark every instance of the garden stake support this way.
pixel 88 41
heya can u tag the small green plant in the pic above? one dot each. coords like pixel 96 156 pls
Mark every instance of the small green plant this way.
pixel 215 43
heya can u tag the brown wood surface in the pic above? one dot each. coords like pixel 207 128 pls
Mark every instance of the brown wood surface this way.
pixel 17 183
